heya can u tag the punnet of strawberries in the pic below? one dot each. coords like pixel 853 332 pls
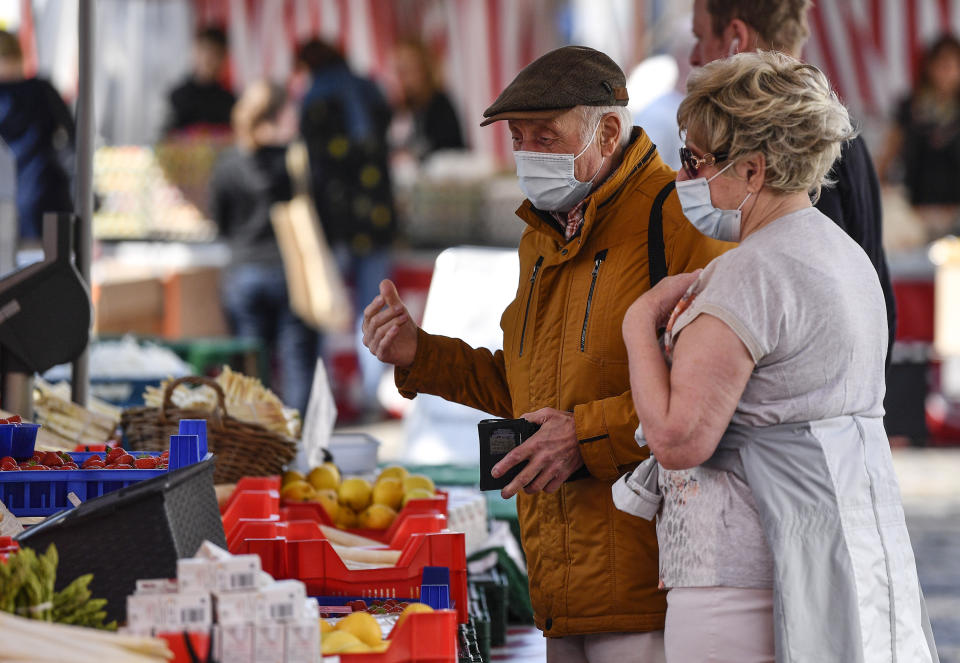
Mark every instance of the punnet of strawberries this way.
pixel 114 459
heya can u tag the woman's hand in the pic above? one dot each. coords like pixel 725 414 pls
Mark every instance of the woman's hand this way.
pixel 655 305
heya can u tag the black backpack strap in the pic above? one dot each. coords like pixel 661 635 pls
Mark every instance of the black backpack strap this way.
pixel 656 250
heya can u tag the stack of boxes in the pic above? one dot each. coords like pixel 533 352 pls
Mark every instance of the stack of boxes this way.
pixel 253 617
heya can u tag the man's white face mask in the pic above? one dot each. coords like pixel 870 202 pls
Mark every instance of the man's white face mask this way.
pixel 548 180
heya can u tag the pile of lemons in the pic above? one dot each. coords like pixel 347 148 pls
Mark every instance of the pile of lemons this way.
pixel 354 502
pixel 359 632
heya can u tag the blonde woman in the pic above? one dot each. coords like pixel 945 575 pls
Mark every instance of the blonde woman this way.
pixel 781 531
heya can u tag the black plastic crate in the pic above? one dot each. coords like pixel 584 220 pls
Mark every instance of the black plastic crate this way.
pixel 495 587
pixel 480 620
pixel 135 532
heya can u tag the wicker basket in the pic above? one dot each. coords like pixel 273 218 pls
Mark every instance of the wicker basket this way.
pixel 242 449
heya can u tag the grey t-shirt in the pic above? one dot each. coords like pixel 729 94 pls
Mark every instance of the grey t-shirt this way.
pixel 806 302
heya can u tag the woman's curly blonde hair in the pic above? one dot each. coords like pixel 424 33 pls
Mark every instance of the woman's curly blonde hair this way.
pixel 770 103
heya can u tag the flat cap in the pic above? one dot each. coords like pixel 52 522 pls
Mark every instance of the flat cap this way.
pixel 555 82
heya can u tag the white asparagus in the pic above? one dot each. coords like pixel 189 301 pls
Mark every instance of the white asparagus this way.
pixel 385 557
pixel 339 537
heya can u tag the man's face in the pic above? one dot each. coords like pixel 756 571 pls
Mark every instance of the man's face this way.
pixel 559 135
pixel 11 69
pixel 207 61
pixel 708 46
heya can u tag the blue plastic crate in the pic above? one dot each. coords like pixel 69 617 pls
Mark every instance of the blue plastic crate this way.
pixel 43 493
pixel 18 440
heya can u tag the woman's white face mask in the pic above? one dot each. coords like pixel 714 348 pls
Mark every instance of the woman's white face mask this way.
pixel 548 180
pixel 697 205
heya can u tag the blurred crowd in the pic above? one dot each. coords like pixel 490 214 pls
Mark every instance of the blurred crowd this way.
pixel 355 135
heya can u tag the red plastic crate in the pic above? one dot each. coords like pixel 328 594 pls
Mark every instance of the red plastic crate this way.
pixel 423 637
pixel 258 499
pixel 319 567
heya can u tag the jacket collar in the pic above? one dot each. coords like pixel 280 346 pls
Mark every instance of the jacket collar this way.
pixel 638 154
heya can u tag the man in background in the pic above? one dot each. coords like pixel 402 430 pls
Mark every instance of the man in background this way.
pixel 38 128
pixel 343 120
pixel 201 100
pixel 726 27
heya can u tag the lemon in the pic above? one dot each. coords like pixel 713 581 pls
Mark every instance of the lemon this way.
pixel 355 493
pixel 324 477
pixel 377 516
pixel 393 472
pixel 388 491
pixel 298 491
pixel 418 481
pixel 410 610
pixel 328 500
pixel 325 626
pixel 291 475
pixel 346 517
pixel 416 494
pixel 338 641
pixel 382 647
pixel 363 625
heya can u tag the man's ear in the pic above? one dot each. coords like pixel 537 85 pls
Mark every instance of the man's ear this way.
pixel 610 132
pixel 741 37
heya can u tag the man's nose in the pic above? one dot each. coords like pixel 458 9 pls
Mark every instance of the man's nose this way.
pixel 695 56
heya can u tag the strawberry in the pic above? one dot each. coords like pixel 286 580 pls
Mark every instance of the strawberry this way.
pixel 7 467
pixel 8 459
pixel 122 459
pixel 15 419
pixel 94 464
pixel 115 453
pixel 36 467
pixel 51 459
pixel 146 463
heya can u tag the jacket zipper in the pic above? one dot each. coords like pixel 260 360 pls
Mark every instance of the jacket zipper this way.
pixel 533 280
pixel 597 260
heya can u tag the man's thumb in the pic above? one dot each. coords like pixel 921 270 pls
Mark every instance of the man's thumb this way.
pixel 390 294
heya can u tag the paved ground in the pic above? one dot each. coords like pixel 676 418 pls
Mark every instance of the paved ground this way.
pixel 936 544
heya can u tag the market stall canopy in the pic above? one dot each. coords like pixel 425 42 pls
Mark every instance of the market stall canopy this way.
pixel 45 307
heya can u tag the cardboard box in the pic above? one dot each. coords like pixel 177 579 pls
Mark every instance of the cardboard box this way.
pixel 134 305
pixel 234 643
pixel 238 573
pixel 268 643
pixel 302 642
pixel 196 575
pixel 236 607
pixel 145 613
pixel 283 601
pixel 191 304
pixel 157 586
pixel 187 610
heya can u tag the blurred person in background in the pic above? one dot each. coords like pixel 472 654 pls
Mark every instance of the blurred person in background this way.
pixel 343 121
pixel 247 180
pixel 426 120
pixel 38 128
pixel 727 27
pixel 925 139
pixel 201 101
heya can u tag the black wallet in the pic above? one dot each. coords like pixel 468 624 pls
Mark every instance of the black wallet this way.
pixel 497 438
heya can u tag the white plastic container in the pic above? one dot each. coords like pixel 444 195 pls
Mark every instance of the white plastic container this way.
pixel 354 453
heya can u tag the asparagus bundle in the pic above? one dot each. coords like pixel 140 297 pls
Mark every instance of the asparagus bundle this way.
pixel 26 589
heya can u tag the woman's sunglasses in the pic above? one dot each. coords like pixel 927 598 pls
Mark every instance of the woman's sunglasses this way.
pixel 691 162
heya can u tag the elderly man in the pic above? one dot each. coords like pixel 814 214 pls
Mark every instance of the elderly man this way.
pixel 603 221
pixel 726 27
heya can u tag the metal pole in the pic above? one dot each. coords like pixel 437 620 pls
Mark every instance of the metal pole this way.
pixel 83 204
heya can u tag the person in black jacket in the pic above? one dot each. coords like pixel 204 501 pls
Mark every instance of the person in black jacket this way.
pixel 433 123
pixel 343 121
pixel 247 180
pixel 38 128
pixel 200 100
pixel 726 27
